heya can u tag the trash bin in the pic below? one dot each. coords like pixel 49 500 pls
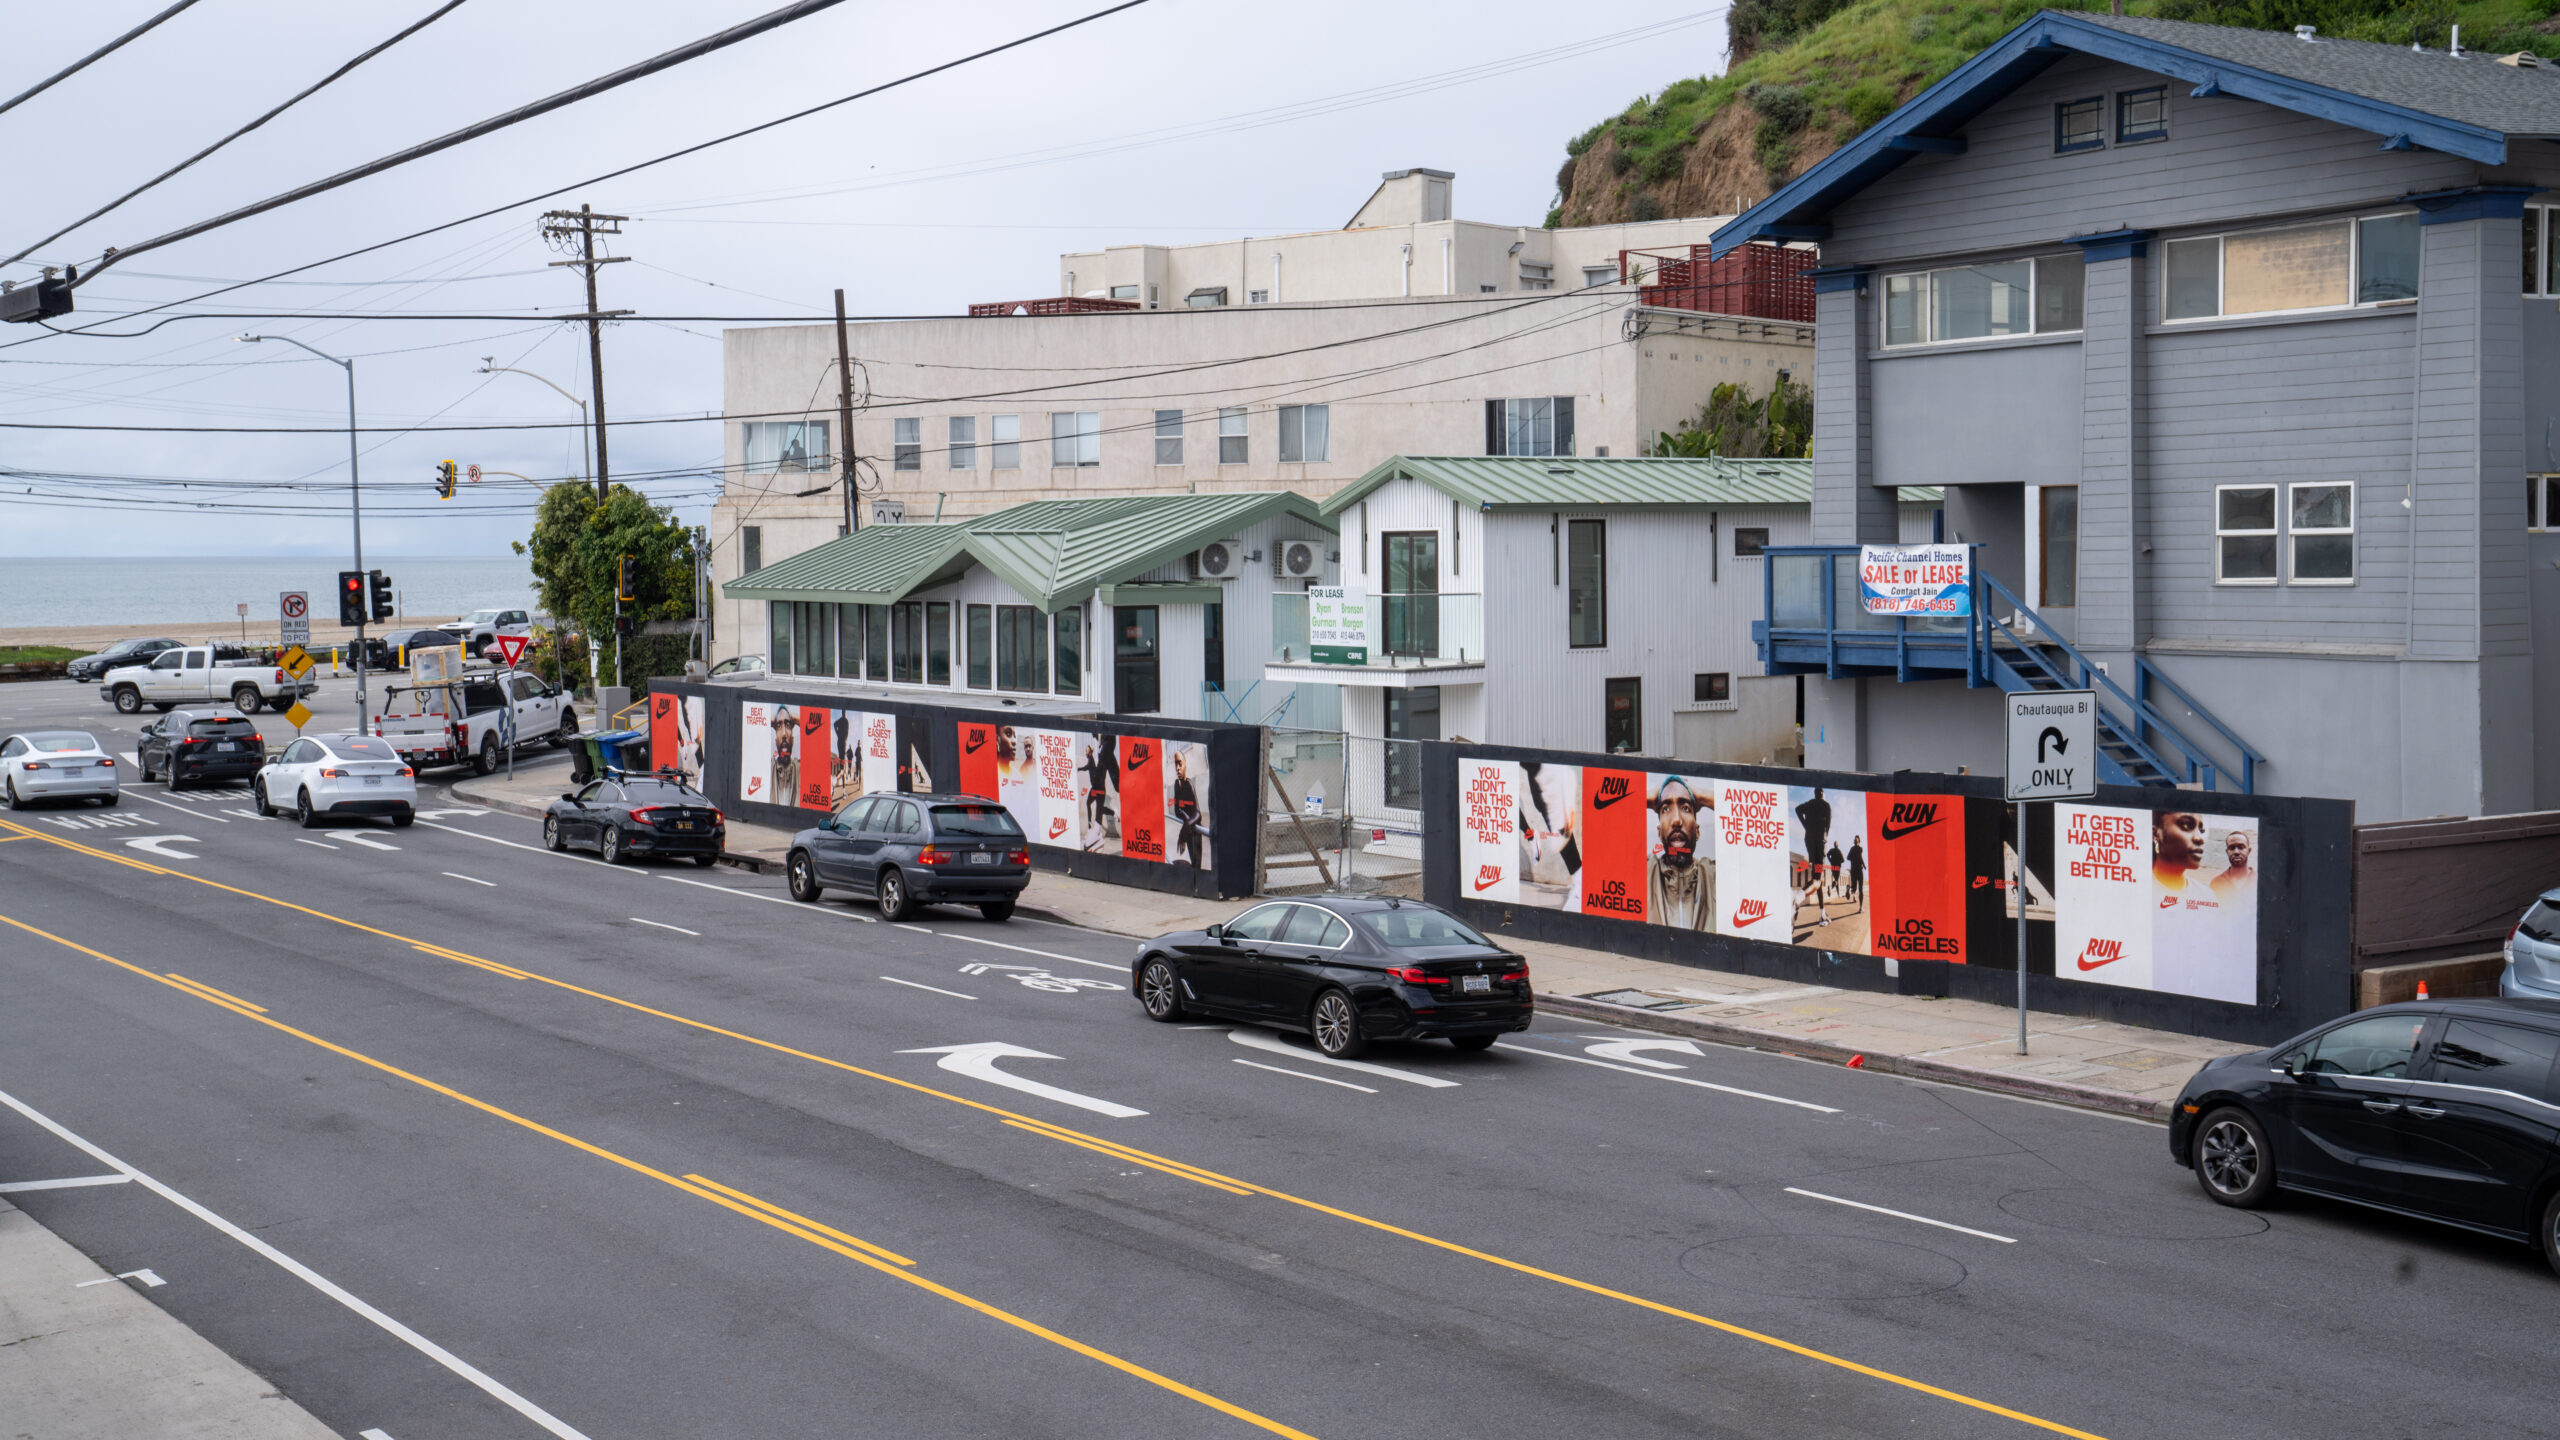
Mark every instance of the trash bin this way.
pixel 626 750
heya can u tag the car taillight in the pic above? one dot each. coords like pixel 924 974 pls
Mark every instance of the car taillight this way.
pixel 645 815
pixel 106 762
pixel 33 765
pixel 190 743
pixel 1017 857
pixel 406 771
pixel 1521 973
pixel 1414 976
pixel 333 774
pixel 930 856
pixel 279 677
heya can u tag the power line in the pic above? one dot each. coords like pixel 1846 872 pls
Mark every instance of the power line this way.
pixel 315 88
pixel 93 57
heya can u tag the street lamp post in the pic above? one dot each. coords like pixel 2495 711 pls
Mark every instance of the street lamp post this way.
pixel 355 499
pixel 586 442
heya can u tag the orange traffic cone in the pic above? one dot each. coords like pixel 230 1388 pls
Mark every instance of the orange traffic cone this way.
pixel 2422 989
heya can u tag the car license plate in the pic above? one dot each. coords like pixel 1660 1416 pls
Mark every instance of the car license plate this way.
pixel 982 858
pixel 1476 984
pixel 373 779
pixel 228 745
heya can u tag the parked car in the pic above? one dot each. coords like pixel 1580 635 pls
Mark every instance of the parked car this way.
pixel 199 744
pixel 2446 1110
pixel 474 631
pixel 741 667
pixel 910 850
pixel 390 651
pixel 636 816
pixel 1345 971
pixel 464 722
pixel 203 672
pixel 2533 953
pixel 122 653
pixel 324 777
pixel 55 765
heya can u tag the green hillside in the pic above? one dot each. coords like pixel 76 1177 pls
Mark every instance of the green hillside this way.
pixel 1807 75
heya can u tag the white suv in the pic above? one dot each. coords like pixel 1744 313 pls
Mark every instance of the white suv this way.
pixel 323 776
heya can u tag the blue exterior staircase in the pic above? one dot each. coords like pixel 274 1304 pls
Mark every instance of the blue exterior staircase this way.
pixel 1813 624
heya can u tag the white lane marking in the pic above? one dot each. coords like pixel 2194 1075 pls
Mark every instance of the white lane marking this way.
pixel 376 1434
pixel 979 1062
pixel 440 814
pixel 696 934
pixel 1674 1079
pixel 1119 965
pixel 74 1183
pixel 1303 1075
pixel 370 843
pixel 158 845
pixel 149 1280
pixel 450 875
pixel 536 849
pixel 245 814
pixel 323 844
pixel 838 910
pixel 1265 1040
pixel 1900 1215
pixel 910 984
pixel 313 1278
pixel 916 928
pixel 156 800
pixel 133 760
pixel 1625 1050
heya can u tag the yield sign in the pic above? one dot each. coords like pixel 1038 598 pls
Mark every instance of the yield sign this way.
pixel 511 647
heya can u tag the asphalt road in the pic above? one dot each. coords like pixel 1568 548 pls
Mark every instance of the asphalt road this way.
pixel 449 1136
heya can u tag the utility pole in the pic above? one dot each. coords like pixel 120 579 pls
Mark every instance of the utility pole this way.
pixel 844 418
pixel 564 228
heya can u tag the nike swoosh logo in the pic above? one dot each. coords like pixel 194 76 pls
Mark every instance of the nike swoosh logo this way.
pixel 1739 922
pixel 1889 832
pixel 975 746
pixel 1603 802
pixel 2110 960
pixel 1488 884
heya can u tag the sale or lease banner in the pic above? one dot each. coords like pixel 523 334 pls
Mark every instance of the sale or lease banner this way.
pixel 1613 843
pixel 1915 861
pixel 2102 894
pixel 1916 579
pixel 1142 808
pixel 1489 830
pixel 1754 900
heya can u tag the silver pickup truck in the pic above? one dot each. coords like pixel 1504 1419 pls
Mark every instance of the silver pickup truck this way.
pixel 196 673
pixel 464 722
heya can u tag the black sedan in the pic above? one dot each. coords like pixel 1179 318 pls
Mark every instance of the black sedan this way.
pixel 631 817
pixel 910 850
pixel 1345 971
pixel 124 652
pixel 200 744
pixel 2445 1110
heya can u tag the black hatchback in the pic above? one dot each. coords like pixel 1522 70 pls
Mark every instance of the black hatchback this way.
pixel 189 745
pixel 631 817
pixel 910 850
pixel 1345 971
pixel 2445 1110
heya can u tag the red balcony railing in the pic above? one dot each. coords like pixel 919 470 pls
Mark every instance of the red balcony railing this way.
pixel 1768 281
pixel 1052 305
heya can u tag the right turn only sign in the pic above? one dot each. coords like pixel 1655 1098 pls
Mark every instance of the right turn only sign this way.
pixel 2053 745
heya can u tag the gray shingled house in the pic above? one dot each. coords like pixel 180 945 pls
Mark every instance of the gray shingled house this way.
pixel 2235 353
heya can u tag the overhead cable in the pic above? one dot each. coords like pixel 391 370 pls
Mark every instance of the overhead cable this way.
pixel 93 57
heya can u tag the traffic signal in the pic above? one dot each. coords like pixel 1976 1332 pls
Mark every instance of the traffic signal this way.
pixel 624 575
pixel 351 597
pixel 381 596
pixel 445 480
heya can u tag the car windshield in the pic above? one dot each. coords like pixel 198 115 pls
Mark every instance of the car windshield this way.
pixel 990 820
pixel 61 742
pixel 2542 923
pixel 1412 927
pixel 662 792
pixel 480 617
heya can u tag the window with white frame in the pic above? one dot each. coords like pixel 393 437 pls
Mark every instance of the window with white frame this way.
pixel 906 442
pixel 1257 297
pixel 1004 434
pixel 1075 438
pixel 1597 275
pixel 2541 264
pixel 2244 534
pixel 964 442
pixel 1168 437
pixel 778 446
pixel 1231 437
pixel 1306 433
pixel 2322 533
pixel 2542 502
pixel 1536 425
pixel 2330 265
pixel 1992 300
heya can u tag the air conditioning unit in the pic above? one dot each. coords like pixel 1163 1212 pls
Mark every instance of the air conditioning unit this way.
pixel 1297 560
pixel 1217 560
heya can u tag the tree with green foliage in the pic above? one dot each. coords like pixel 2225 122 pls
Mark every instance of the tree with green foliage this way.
pixel 1777 426
pixel 575 549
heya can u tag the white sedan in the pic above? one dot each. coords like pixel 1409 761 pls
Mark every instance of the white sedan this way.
pixel 322 776
pixel 55 765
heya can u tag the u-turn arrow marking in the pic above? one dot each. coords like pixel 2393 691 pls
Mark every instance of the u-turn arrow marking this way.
pixel 979 1062
pixel 157 844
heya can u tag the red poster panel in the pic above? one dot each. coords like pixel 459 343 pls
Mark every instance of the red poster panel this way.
pixel 1614 820
pixel 817 768
pixel 1915 869
pixel 977 761
pixel 1141 798
pixel 662 732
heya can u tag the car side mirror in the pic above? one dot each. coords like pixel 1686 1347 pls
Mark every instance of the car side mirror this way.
pixel 571 796
pixel 1219 934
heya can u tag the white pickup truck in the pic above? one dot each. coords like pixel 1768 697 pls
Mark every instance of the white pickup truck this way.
pixel 464 722
pixel 197 673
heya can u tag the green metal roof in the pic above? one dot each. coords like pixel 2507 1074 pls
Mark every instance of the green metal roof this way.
pixel 1052 552
pixel 1495 481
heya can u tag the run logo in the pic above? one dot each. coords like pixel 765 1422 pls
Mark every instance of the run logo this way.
pixel 1613 788
pixel 1488 877
pixel 2101 952
pixel 1909 817
pixel 1750 912
pixel 1139 754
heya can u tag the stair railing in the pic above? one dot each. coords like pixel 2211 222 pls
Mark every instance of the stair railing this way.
pixel 2084 674
pixel 2147 675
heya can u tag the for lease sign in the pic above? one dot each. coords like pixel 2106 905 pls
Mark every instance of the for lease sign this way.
pixel 1916 579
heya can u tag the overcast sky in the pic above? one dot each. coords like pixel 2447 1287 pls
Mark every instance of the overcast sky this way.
pixel 962 187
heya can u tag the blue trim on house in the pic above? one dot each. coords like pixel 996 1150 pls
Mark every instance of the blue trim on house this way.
pixel 2097 108
pixel 2475 202
pixel 1830 279
pixel 2113 245
pixel 1944 108
pixel 1928 144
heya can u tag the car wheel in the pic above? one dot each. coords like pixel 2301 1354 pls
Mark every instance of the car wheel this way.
pixel 11 786
pixel 164 706
pixel 1335 1023
pixel 245 700
pixel 997 910
pixel 705 862
pixel 106 802
pixel 567 729
pixel 895 903
pixel 404 819
pixel 611 848
pixel 2234 1163
pixel 1472 1042
pixel 486 762
pixel 551 833
pixel 128 700
pixel 1160 991
pixel 303 814
pixel 804 878
pixel 2549 1233
pixel 258 795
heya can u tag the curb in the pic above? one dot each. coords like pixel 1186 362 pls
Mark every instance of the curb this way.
pixel 2083 1097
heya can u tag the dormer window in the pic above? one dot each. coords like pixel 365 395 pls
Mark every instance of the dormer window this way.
pixel 2080 125
pixel 2142 115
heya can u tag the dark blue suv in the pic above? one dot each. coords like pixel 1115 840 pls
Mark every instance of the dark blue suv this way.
pixel 910 850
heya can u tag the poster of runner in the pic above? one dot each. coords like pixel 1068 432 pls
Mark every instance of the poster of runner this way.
pixel 1099 809
pixel 1187 803
pixel 1826 867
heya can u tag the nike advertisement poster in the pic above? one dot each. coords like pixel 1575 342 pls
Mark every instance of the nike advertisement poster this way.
pixel 1489 830
pixel 1187 803
pixel 1055 753
pixel 979 774
pixel 1915 869
pixel 1550 864
pixel 1751 861
pixel 876 764
pixel 1129 795
pixel 2204 910
pixel 1099 811
pixel 1680 854
pixel 675 736
pixel 1613 843
pixel 1827 865
pixel 756 752
pixel 2102 895
pixel 1142 808
pixel 816 771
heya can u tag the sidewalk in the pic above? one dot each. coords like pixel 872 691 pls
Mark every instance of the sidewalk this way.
pixel 83 1356
pixel 2088 1063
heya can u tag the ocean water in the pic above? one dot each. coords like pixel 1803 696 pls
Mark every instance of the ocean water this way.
pixel 170 590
